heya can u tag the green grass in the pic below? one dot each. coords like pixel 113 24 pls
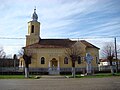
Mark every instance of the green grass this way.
pixel 11 77
pixel 16 77
pixel 100 75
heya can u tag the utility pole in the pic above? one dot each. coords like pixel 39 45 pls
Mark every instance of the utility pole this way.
pixel 116 55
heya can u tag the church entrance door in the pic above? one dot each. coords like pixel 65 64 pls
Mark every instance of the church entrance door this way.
pixel 54 66
pixel 54 63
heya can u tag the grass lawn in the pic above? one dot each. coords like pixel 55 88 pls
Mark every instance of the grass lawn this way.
pixel 99 75
pixel 16 77
pixel 11 76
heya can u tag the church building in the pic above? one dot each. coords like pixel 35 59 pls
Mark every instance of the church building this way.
pixel 48 55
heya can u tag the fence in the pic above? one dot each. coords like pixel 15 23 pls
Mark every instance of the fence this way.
pixel 107 68
pixel 11 66
pixel 19 70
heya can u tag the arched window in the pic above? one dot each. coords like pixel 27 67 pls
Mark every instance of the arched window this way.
pixel 79 60
pixel 65 60
pixel 21 63
pixel 42 60
pixel 32 29
pixel 97 60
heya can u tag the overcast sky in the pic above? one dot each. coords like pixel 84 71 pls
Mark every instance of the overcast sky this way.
pixel 59 19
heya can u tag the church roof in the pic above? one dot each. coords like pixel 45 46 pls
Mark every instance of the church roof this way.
pixel 58 43
pixel 52 43
pixel 88 45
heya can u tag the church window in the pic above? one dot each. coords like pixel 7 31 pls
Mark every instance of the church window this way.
pixel 32 29
pixel 79 60
pixel 96 60
pixel 42 60
pixel 65 60
pixel 21 63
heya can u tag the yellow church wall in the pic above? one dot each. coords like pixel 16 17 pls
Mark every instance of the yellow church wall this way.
pixel 21 62
pixel 36 28
pixel 59 55
pixel 47 53
pixel 81 46
pixel 95 54
pixel 62 65
pixel 31 39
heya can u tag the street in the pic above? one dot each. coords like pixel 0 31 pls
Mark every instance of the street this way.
pixel 109 83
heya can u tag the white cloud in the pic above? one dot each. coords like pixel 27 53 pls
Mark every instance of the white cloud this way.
pixel 13 49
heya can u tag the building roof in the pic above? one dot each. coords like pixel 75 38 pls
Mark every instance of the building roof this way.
pixel 58 43
pixel 104 60
pixel 88 45
pixel 52 43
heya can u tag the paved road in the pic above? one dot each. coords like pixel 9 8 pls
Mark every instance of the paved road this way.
pixel 112 83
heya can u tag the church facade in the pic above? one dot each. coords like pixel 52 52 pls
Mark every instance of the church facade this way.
pixel 48 55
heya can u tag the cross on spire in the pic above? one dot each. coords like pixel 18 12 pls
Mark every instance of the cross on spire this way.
pixel 35 9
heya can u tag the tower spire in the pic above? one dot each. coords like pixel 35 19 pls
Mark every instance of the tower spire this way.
pixel 34 16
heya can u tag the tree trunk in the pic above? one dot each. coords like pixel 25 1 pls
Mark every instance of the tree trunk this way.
pixel 26 72
pixel 73 72
pixel 112 70
pixel 14 65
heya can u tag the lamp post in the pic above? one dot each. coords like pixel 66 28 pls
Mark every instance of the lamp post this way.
pixel 116 55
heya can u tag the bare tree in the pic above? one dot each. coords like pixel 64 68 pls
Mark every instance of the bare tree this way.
pixel 21 52
pixel 108 49
pixel 73 53
pixel 108 52
pixel 15 60
pixel 27 58
pixel 2 53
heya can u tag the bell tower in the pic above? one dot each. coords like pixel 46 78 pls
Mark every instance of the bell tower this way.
pixel 33 30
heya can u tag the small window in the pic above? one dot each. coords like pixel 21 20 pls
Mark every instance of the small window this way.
pixel 96 60
pixel 79 60
pixel 32 29
pixel 21 63
pixel 65 60
pixel 42 60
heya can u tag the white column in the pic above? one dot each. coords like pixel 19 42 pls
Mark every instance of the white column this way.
pixel 58 65
pixel 49 65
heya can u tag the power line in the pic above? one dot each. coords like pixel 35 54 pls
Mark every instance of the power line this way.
pixel 10 38
pixel 90 37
